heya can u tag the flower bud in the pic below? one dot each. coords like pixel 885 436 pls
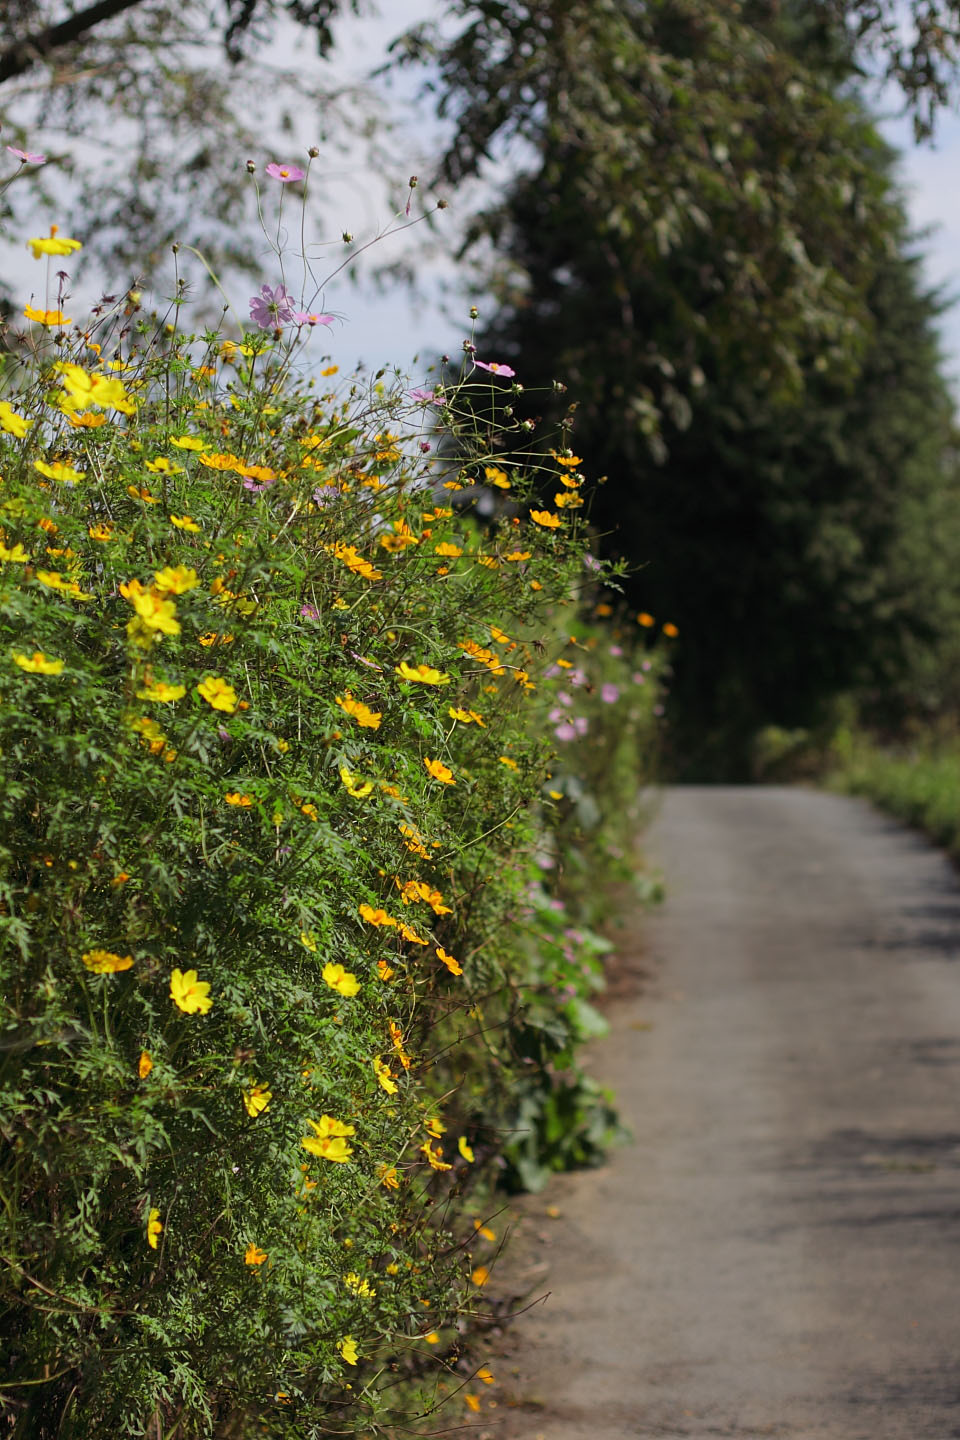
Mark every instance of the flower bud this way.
pixel 313 152
pixel 413 182
pixel 474 312
pixel 442 204
pixel 251 168
pixel 347 237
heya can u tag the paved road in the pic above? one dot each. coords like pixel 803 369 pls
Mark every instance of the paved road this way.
pixel 778 1253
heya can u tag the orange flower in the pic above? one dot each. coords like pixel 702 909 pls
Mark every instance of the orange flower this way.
pixel 439 771
pixel 452 965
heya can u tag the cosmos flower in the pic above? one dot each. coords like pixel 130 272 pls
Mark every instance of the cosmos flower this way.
pixel 27 157
pixel 286 174
pixel 496 368
pixel 271 308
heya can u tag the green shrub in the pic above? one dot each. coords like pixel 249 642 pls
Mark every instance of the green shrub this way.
pixel 277 811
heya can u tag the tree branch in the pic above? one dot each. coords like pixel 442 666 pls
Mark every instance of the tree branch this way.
pixel 19 57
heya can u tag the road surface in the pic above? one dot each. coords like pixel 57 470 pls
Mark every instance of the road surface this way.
pixel 777 1253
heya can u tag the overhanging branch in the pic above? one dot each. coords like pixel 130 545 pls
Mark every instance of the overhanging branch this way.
pixel 23 54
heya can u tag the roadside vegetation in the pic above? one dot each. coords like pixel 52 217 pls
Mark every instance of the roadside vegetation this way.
pixel 315 732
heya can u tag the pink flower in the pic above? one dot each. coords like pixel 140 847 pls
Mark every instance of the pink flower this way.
pixel 309 612
pixel 639 679
pixel 609 694
pixel 495 368
pixel 616 651
pixel 426 397
pixel 305 317
pixel 565 732
pixel 287 174
pixel 26 157
pixel 580 724
pixel 256 486
pixel 271 308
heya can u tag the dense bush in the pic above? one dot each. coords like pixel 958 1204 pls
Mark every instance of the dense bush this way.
pixel 918 780
pixel 290 880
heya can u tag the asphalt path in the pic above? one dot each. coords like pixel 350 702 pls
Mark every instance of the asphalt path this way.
pixel 777 1252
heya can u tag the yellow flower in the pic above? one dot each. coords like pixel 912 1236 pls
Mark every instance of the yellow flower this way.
pixel 189 994
pixel 105 962
pixel 546 519
pixel 234 797
pixel 452 965
pixel 386 972
pixel 384 1077
pixel 85 419
pixel 435 1127
pixel 647 621
pixel 53 244
pixel 518 555
pixel 136 492
pixel 365 717
pixel 471 1402
pixel 465 1150
pixel 439 771
pixel 389 1178
pixel 510 764
pixel 495 476
pixel 340 979
pixel 330 1139
pixel 348 1349
pixel 162 693
pixel 253 1256
pixel 58 470
pixel 82 389
pixel 160 465
pixel 16 554
pixel 435 1157
pixel 355 786
pixel 486 1375
pixel 484 1230
pixel 358 1285
pixel 211 637
pixel 11 422
pixel 355 561
pixel 432 1338
pixel 452 552
pixel 216 459
pixel 670 630
pixel 53 318
pixel 186 442
pixel 571 461
pixel 100 531
pixel 154 612
pixel 311 812
pixel 425 674
pixel 480 1275
pixel 256 1099
pixel 466 717
pixel 184 522
pixel 176 580
pixel 218 694
pixel 410 935
pixel 154 1228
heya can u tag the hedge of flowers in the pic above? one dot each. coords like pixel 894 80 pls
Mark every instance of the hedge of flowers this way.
pixel 295 774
